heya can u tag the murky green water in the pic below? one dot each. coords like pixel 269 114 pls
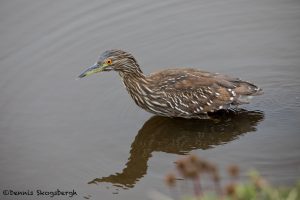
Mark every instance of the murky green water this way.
pixel 87 135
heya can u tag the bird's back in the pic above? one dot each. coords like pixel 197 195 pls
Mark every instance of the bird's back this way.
pixel 193 92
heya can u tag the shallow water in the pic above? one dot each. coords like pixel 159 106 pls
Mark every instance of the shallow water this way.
pixel 87 135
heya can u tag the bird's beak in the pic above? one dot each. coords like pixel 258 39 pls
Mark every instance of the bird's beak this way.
pixel 92 70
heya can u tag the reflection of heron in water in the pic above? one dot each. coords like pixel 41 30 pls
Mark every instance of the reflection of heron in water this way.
pixel 179 136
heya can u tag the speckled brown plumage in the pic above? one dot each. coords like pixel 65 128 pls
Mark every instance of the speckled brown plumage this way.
pixel 182 92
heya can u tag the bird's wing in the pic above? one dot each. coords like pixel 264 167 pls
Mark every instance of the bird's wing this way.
pixel 200 91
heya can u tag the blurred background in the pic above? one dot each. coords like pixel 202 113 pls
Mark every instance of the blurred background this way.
pixel 88 135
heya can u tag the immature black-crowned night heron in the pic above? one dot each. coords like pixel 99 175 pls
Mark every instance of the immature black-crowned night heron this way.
pixel 185 92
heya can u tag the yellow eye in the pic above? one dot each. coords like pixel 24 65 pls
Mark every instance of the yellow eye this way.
pixel 108 61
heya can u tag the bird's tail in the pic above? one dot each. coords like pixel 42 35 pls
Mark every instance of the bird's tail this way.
pixel 245 91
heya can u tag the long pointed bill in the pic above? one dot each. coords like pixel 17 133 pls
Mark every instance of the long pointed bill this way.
pixel 91 70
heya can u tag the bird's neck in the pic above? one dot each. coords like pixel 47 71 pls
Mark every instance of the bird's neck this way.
pixel 137 86
pixel 134 80
pixel 136 74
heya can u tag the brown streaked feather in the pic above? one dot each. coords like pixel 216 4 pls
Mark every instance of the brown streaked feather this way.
pixel 184 92
pixel 205 91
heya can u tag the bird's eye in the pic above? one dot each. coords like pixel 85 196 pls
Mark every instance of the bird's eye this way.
pixel 108 61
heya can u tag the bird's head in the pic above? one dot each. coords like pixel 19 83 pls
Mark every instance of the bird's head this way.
pixel 117 60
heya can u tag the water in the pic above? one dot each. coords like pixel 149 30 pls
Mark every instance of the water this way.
pixel 87 135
